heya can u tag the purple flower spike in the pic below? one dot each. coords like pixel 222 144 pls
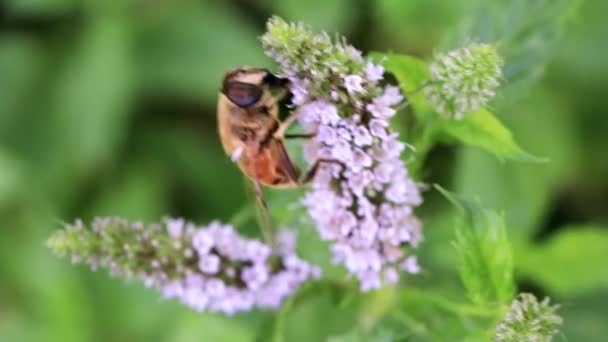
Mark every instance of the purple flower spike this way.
pixel 364 204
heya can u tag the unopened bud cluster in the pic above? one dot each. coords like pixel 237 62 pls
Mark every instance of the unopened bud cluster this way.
pixel 464 80
pixel 209 268
pixel 529 320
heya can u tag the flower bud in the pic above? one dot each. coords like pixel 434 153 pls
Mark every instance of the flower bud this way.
pixel 464 80
pixel 529 320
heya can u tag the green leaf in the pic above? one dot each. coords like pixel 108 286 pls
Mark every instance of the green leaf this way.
pixel 411 73
pixel 482 129
pixel 571 263
pixel 486 265
pixel 524 190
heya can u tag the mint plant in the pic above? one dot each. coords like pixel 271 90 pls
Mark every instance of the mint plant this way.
pixel 364 207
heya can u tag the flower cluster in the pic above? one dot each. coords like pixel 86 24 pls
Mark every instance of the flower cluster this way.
pixel 529 320
pixel 209 268
pixel 362 198
pixel 464 80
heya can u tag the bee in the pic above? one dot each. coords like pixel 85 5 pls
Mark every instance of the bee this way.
pixel 252 134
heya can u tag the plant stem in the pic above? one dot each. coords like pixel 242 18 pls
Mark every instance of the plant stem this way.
pixel 454 307
pixel 423 140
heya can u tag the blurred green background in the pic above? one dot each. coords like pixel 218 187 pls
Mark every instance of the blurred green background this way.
pixel 108 108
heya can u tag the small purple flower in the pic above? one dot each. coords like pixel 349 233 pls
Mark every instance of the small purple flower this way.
pixel 299 91
pixel 410 265
pixel 209 263
pixel 362 137
pixel 342 151
pixel 378 128
pixel 391 96
pixel 373 72
pixel 370 280
pixel 353 53
pixel 352 83
pixel 327 135
pixel 202 241
pixel 255 276
pixel 360 160
pixel 257 251
pixel 390 275
pixel 175 227
pixel 380 109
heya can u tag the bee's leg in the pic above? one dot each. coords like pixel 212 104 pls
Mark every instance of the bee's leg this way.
pixel 310 174
pixel 266 222
pixel 299 135
pixel 278 83
pixel 284 126
pixel 280 94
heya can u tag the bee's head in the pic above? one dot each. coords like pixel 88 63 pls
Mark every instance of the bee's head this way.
pixel 245 86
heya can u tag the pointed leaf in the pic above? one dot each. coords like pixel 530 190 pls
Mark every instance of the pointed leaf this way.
pixel 482 129
pixel 572 262
pixel 486 265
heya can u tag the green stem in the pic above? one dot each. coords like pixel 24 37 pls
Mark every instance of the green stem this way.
pixel 248 211
pixel 454 307
pixel 423 140
pixel 418 328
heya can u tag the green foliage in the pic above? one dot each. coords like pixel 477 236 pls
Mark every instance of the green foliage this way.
pixel 570 263
pixel 482 129
pixel 527 31
pixel 108 109
pixel 486 263
pixel 524 190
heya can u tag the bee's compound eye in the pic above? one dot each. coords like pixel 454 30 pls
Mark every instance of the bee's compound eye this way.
pixel 242 94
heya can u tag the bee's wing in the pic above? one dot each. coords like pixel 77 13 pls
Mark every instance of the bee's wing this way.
pixel 292 171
